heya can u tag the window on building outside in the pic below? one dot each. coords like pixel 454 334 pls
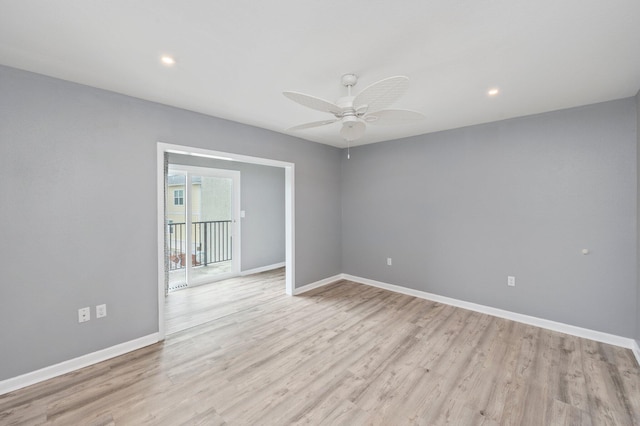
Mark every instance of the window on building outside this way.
pixel 178 197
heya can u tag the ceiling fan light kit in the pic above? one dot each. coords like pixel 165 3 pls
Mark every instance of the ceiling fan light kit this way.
pixel 352 128
pixel 354 112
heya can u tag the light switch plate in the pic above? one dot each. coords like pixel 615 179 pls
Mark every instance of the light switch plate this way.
pixel 101 311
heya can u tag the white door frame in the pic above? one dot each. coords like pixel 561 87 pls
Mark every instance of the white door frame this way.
pixel 289 213
pixel 234 175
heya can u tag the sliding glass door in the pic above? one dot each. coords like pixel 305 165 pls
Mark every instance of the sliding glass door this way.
pixel 202 225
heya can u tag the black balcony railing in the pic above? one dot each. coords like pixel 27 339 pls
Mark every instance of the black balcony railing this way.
pixel 211 242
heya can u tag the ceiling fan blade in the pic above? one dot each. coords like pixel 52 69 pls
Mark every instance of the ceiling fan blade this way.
pixel 314 102
pixel 392 116
pixel 381 94
pixel 313 124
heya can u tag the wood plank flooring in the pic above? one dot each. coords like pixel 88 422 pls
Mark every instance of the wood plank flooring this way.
pixel 344 354
pixel 200 304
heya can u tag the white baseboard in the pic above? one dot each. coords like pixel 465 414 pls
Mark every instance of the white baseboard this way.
pixel 299 290
pixel 262 269
pixel 526 319
pixel 68 366
pixel 636 351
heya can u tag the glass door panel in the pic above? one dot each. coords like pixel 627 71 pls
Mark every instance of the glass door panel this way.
pixel 201 209
pixel 212 227
pixel 176 231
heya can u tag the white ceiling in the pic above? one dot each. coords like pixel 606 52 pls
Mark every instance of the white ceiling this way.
pixel 234 58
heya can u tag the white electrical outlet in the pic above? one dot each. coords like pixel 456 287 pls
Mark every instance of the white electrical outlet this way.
pixel 389 261
pixel 511 281
pixel 101 311
pixel 84 314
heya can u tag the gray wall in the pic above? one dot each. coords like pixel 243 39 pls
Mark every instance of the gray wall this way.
pixel 78 213
pixel 460 210
pixel 637 336
pixel 262 198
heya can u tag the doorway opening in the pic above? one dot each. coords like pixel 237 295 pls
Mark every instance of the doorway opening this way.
pixel 163 150
pixel 203 228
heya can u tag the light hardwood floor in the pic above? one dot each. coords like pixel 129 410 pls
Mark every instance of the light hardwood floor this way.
pixel 344 354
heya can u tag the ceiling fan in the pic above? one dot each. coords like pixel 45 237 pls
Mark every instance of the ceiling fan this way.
pixel 355 112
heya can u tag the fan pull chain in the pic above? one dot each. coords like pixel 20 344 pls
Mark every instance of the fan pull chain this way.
pixel 348 151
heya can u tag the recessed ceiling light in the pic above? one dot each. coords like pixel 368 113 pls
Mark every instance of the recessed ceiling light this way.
pixel 168 60
pixel 493 92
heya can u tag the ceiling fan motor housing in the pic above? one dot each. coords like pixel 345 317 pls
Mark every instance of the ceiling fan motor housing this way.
pixel 351 120
pixel 346 104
